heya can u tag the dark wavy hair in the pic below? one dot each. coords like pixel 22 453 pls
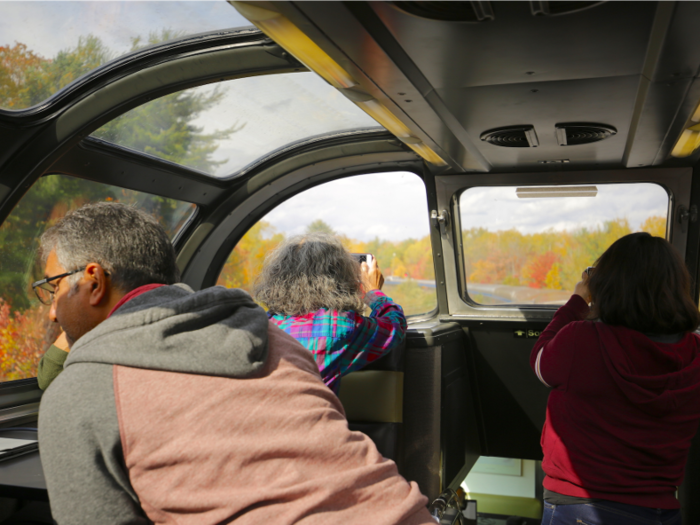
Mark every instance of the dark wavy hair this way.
pixel 641 282
pixel 307 273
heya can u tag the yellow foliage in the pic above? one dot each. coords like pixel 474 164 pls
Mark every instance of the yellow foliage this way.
pixel 22 341
pixel 655 226
pixel 484 271
pixel 399 270
pixel 553 278
pixel 246 260
pixel 551 259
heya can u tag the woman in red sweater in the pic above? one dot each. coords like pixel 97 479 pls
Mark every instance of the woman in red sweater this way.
pixel 625 379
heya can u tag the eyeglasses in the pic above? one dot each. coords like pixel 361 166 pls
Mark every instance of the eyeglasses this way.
pixel 45 290
pixel 590 270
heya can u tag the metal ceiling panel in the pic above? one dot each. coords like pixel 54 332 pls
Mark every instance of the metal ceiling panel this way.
pixel 628 65
pixel 516 47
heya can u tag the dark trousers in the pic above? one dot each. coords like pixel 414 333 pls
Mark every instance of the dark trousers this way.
pixel 608 513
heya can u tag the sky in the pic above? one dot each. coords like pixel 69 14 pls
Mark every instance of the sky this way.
pixel 391 206
pixel 271 112
pixel 499 208
pixel 277 110
pixel 48 27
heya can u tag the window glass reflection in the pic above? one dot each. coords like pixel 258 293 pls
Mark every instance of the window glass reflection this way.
pixel 220 129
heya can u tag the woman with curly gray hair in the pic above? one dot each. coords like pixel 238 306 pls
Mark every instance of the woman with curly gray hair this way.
pixel 316 291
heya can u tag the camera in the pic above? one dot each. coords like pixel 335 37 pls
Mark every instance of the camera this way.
pixel 362 257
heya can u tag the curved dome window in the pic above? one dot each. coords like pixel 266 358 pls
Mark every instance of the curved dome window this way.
pixel 220 129
pixel 45 46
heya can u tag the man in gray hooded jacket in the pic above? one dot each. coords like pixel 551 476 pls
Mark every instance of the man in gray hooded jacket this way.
pixel 190 407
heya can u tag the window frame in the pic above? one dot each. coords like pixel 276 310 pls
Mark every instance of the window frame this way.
pixel 676 182
pixel 272 204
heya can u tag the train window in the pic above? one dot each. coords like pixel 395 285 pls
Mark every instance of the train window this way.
pixel 378 214
pixel 223 128
pixel 47 45
pixel 25 330
pixel 529 245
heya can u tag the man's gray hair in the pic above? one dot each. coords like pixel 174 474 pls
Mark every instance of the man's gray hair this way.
pixel 128 243
pixel 307 273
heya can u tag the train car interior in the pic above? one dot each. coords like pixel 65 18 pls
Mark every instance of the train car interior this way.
pixel 485 152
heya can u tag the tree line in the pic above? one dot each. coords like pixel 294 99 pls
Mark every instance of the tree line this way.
pixel 551 259
pixel 548 260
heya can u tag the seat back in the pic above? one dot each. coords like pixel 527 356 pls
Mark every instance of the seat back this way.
pixel 417 406
pixel 373 401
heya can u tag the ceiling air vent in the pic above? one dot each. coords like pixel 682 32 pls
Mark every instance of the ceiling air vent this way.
pixel 448 11
pixel 574 134
pixel 544 8
pixel 512 137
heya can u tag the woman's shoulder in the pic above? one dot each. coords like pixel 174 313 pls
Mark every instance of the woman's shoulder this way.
pixel 578 330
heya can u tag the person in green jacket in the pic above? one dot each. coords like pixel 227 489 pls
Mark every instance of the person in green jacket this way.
pixel 51 363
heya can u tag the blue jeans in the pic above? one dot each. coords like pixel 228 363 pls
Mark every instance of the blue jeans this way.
pixel 608 513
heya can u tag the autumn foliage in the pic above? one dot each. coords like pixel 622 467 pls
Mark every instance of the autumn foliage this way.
pixel 25 330
pixel 550 260
pixel 411 260
pixel 17 64
pixel 22 340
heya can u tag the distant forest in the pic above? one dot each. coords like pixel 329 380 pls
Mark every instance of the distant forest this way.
pixel 552 259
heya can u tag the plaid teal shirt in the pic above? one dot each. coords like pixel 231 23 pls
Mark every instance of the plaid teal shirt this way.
pixel 345 341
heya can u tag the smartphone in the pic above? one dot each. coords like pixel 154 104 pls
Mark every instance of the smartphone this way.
pixel 362 257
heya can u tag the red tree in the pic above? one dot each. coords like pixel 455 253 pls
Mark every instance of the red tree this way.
pixel 536 270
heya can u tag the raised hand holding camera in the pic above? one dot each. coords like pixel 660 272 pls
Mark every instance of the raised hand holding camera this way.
pixel 371 274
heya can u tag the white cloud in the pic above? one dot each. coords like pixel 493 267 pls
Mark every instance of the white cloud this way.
pixel 499 208
pixel 48 27
pixel 277 110
pixel 391 206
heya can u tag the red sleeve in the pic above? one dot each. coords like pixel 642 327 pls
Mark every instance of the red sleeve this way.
pixel 553 352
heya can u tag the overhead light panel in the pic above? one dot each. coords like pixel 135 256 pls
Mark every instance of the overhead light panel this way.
pixel 427 153
pixel 550 192
pixel 386 118
pixel 688 142
pixel 696 115
pixel 280 29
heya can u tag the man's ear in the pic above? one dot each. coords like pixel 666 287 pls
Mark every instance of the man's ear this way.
pixel 99 283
